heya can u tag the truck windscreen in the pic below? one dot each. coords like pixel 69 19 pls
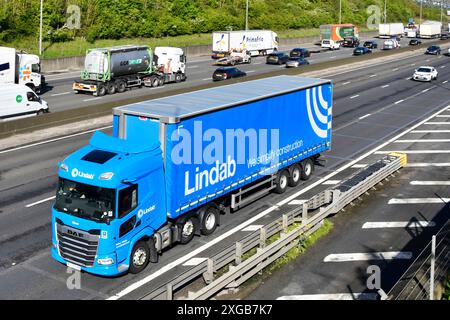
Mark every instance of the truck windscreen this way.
pixel 85 201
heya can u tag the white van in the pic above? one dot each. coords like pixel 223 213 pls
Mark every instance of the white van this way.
pixel 330 44
pixel 18 100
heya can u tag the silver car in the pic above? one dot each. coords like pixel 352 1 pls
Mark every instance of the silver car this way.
pixel 295 62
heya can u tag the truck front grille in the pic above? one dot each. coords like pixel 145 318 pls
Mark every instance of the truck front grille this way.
pixel 77 246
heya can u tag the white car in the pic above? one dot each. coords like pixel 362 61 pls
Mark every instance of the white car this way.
pixel 330 44
pixel 425 74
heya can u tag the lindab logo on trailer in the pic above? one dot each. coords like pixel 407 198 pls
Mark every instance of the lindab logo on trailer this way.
pixel 77 173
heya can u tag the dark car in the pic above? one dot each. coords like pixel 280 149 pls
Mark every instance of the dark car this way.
pixel 300 52
pixel 277 58
pixel 414 42
pixel 445 36
pixel 361 50
pixel 433 50
pixel 352 42
pixel 295 62
pixel 371 44
pixel 227 73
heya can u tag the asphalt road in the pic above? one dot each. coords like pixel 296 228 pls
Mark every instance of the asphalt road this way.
pixel 370 105
pixel 60 96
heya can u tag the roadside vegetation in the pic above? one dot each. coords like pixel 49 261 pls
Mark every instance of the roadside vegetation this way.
pixel 174 22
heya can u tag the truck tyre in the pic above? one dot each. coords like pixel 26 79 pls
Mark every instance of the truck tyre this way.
pixel 140 256
pixel 307 169
pixel 154 81
pixel 249 60
pixel 161 81
pixel 209 219
pixel 101 90
pixel 187 229
pixel 282 181
pixel 121 86
pixel 111 88
pixel 40 112
pixel 178 77
pixel 294 178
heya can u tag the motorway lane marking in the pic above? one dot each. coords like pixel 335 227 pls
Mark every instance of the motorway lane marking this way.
pixel 332 296
pixel 395 69
pixel 418 200
pixel 442 67
pixel 345 83
pixel 360 165
pixel 55 139
pixel 422 140
pixel 436 122
pixel 413 64
pixel 430 131
pixel 206 79
pixel 92 99
pixel 429 183
pixel 414 151
pixel 194 261
pixel 425 90
pixel 60 94
pixel 297 202
pixel 370 256
pixel 398 224
pixel 428 164
pixel 385 86
pixel 253 227
pixel 367 115
pixel 192 67
pixel 399 101
pixel 443 116
pixel 373 75
pixel 40 201
pixel 355 96
pixel 250 71
pixel 409 78
pixel 331 182
pixel 445 81
pixel 332 57
pixel 248 222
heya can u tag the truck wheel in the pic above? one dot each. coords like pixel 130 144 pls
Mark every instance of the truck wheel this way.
pixel 40 112
pixel 178 77
pixel 249 60
pixel 121 86
pixel 187 230
pixel 308 169
pixel 209 220
pixel 101 90
pixel 140 256
pixel 155 82
pixel 111 88
pixel 282 181
pixel 294 178
pixel 161 81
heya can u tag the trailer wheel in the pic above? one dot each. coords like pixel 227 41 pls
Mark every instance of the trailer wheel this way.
pixel 187 230
pixel 307 169
pixel 209 220
pixel 282 181
pixel 294 178
pixel 101 90
pixel 140 256
pixel 111 88
pixel 121 86
pixel 249 60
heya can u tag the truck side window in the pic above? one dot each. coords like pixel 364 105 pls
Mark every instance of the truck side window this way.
pixel 36 68
pixel 127 200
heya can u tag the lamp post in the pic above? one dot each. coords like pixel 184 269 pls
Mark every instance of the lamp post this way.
pixel 340 11
pixel 420 20
pixel 246 16
pixel 385 11
pixel 40 29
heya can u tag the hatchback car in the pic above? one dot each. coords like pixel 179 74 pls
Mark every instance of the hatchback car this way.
pixel 414 42
pixel 361 50
pixel 295 62
pixel 227 73
pixel 425 74
pixel 300 52
pixel 370 44
pixel 277 58
pixel 433 50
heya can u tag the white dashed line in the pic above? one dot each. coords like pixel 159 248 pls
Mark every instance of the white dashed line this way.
pixel 385 86
pixel 429 183
pixel 442 67
pixel 418 200
pixel 430 131
pixel 437 123
pixel 345 83
pixel 414 151
pixel 332 296
pixel 194 262
pixel 39 202
pixel 60 94
pixel 398 224
pixel 297 202
pixel 253 227
pixel 395 69
pixel 92 99
pixel 373 75
pixel 331 182
pixel 372 256
pixel 363 117
pixel 428 164
pixel 399 101
pixel 206 79
pixel 422 140
pixel 360 165
pixel 425 90
pixel 355 96
pixel 443 82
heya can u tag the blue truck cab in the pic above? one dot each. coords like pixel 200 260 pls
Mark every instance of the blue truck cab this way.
pixel 172 165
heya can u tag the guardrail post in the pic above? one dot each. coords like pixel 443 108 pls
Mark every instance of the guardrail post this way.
pixel 208 276
pixel 284 223
pixel 262 237
pixel 169 291
pixel 433 258
pixel 238 253
pixel 304 213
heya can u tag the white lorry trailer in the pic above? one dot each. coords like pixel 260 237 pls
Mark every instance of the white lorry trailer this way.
pixel 20 68
pixel 255 42
pixel 19 101
pixel 388 30
pixel 430 30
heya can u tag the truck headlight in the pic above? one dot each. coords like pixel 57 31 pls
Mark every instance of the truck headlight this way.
pixel 64 167
pixel 105 261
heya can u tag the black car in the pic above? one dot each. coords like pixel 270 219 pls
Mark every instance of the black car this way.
pixel 227 73
pixel 433 50
pixel 352 42
pixel 414 42
pixel 300 52
pixel 445 36
pixel 370 44
pixel 277 58
pixel 361 50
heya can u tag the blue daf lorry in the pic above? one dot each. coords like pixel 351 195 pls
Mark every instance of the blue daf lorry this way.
pixel 173 165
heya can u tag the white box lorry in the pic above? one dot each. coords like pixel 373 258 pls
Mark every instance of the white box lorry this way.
pixel 255 42
pixel 19 101
pixel 20 68
pixel 388 30
pixel 430 30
